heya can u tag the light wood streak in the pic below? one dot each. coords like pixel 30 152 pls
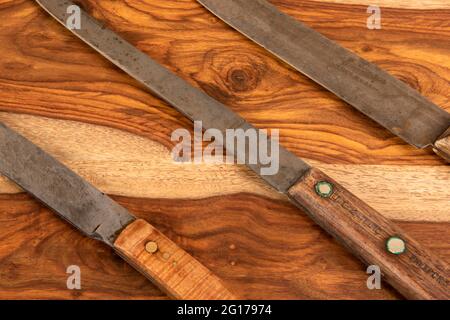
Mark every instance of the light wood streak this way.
pixel 124 164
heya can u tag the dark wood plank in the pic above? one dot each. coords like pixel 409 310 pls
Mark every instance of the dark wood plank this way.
pixel 260 248
pixel 56 75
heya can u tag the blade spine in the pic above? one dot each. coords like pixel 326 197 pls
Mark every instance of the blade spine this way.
pixel 43 154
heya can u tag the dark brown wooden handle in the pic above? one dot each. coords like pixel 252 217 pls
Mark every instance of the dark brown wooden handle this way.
pixel 442 146
pixel 408 267
pixel 168 266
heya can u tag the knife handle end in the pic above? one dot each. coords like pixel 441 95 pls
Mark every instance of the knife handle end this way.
pixel 442 146
pixel 406 265
pixel 168 266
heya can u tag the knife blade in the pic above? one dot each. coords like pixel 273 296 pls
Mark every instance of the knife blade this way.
pixel 99 217
pixel 369 89
pixel 416 273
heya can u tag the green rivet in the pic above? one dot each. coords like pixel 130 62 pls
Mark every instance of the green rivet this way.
pixel 324 189
pixel 395 245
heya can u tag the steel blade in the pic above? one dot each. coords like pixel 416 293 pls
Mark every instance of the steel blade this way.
pixel 75 200
pixel 374 92
pixel 190 101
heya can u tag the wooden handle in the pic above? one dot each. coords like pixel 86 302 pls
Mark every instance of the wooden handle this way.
pixel 168 266
pixel 407 266
pixel 442 146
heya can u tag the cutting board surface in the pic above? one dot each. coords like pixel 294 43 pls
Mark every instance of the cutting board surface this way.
pixel 73 103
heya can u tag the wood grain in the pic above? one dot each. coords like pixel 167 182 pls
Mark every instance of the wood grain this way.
pixel 124 164
pixel 171 268
pixel 253 239
pixel 259 247
pixel 416 273
pixel 66 79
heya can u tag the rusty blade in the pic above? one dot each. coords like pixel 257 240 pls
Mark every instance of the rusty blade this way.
pixel 374 92
pixel 75 200
pixel 193 103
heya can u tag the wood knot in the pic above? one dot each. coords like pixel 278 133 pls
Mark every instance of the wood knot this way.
pixel 231 71
pixel 367 48
pixel 242 79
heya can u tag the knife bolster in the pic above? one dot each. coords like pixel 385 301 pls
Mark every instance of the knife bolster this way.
pixel 168 266
pixel 442 146
pixel 408 267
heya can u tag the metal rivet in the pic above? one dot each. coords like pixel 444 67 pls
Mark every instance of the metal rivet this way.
pixel 166 256
pixel 324 189
pixel 151 247
pixel 395 245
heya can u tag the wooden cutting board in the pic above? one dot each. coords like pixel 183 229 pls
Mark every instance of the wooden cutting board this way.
pixel 73 103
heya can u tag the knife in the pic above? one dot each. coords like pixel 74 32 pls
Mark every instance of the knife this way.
pixel 96 215
pixel 415 272
pixel 374 92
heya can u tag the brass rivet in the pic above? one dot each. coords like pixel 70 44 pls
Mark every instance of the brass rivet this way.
pixel 151 247
pixel 395 245
pixel 166 256
pixel 324 189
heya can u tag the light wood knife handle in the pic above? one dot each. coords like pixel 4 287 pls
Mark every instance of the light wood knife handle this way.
pixel 168 266
pixel 415 273
pixel 442 146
